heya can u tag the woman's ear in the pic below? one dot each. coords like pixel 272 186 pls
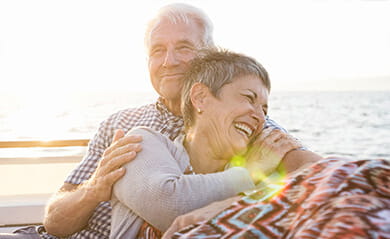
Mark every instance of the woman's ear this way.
pixel 199 93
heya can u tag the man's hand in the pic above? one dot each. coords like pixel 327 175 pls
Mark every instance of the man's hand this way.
pixel 110 169
pixel 267 151
pixel 69 210
pixel 198 215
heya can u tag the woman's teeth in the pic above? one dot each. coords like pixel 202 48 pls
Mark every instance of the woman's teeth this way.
pixel 244 129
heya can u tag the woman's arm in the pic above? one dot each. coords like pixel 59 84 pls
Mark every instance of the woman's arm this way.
pixel 155 188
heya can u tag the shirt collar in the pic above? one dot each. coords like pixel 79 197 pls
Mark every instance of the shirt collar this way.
pixel 165 113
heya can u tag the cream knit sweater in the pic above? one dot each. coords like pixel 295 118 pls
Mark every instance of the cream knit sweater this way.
pixel 156 189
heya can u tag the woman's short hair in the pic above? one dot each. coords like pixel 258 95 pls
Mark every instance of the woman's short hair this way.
pixel 216 67
pixel 180 12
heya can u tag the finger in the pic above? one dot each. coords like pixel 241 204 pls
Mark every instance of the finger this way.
pixel 116 162
pixel 125 149
pixel 114 176
pixel 129 139
pixel 289 140
pixel 270 135
pixel 257 141
pixel 274 136
pixel 265 133
pixel 119 133
pixel 284 145
pixel 289 145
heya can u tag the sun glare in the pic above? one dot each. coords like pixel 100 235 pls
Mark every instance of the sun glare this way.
pixel 39 117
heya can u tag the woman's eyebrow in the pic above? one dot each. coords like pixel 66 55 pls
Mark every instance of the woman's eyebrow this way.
pixel 254 93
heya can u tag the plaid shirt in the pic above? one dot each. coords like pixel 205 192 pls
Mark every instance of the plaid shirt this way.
pixel 155 116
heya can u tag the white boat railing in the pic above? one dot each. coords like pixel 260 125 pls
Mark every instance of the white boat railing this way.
pixel 40 143
pixel 17 210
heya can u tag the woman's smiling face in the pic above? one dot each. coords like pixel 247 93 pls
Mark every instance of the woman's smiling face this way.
pixel 233 118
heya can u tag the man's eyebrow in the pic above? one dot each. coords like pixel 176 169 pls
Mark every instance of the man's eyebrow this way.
pixel 155 45
pixel 185 41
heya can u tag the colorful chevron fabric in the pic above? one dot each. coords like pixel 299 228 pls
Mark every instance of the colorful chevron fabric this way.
pixel 333 198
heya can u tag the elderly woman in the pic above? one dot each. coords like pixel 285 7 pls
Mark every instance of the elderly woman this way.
pixel 224 104
pixel 332 198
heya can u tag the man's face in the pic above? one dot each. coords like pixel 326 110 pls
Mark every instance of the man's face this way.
pixel 172 47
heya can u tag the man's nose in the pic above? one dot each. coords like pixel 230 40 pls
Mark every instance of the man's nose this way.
pixel 170 58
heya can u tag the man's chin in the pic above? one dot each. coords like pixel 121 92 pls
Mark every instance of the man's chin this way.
pixel 178 78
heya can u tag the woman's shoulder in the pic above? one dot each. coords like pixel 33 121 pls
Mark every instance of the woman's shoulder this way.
pixel 144 130
pixel 148 134
pixel 153 140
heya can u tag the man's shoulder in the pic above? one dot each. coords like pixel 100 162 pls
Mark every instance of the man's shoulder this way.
pixel 131 116
pixel 273 124
pixel 134 111
pixel 149 133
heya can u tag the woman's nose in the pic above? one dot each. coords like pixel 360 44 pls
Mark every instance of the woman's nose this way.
pixel 259 115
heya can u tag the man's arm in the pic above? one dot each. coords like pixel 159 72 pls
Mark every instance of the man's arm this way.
pixel 297 160
pixel 69 210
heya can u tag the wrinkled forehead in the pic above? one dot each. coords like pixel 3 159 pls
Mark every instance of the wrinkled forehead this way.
pixel 254 84
pixel 175 29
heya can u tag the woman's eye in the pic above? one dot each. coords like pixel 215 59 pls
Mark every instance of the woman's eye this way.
pixel 250 98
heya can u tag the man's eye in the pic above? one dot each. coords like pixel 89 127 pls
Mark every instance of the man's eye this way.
pixel 156 51
pixel 185 48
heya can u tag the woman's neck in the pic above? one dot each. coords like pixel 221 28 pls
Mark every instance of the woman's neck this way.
pixel 202 157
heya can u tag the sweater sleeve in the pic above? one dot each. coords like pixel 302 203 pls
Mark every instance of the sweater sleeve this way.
pixel 155 188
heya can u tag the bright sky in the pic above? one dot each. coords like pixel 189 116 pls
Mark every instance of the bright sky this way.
pixel 98 45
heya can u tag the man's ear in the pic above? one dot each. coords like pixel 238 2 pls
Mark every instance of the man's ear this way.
pixel 199 93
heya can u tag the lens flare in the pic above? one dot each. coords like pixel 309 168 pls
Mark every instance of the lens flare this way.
pixel 237 161
pixel 269 186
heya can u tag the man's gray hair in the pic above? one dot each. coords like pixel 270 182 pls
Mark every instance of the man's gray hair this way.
pixel 216 67
pixel 180 12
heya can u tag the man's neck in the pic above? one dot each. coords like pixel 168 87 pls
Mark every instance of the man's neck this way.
pixel 173 106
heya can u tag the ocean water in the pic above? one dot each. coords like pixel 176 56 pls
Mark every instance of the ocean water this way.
pixel 346 124
pixel 354 125
pixel 350 124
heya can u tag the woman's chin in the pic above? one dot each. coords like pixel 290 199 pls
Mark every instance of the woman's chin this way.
pixel 240 149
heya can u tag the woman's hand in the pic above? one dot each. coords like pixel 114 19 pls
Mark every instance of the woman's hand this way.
pixel 267 151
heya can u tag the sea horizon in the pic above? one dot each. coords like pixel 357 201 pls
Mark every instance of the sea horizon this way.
pixel 353 125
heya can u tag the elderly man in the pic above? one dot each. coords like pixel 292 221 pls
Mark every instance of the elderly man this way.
pixel 81 209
